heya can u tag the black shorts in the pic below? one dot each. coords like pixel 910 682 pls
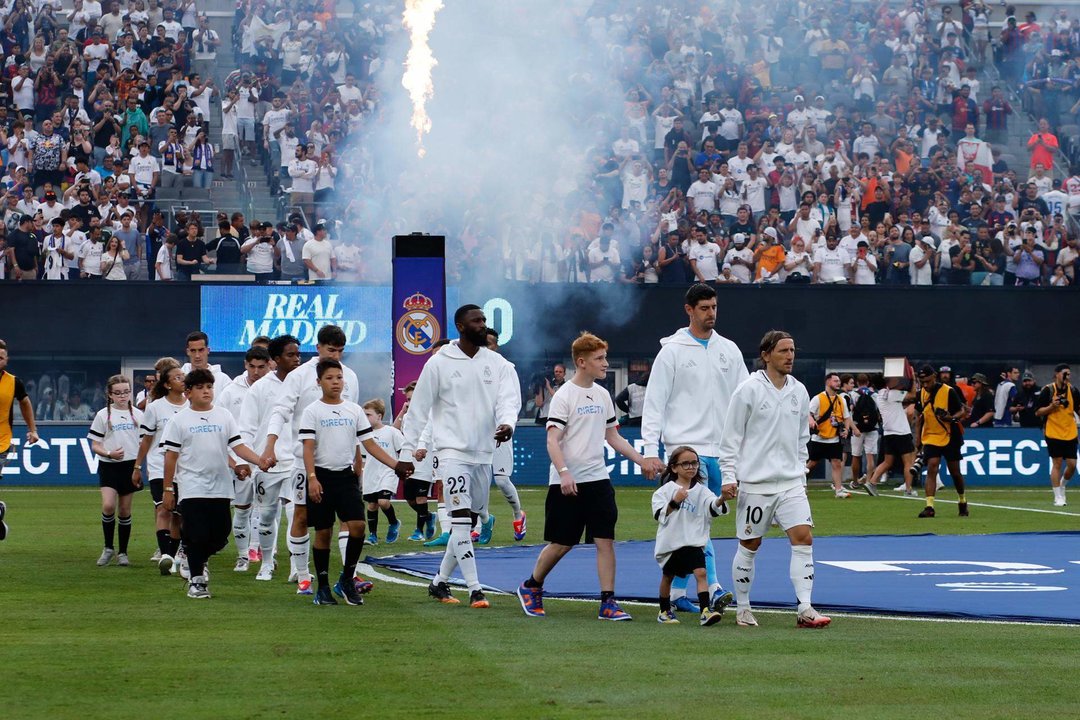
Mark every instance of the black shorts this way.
pixel 1061 448
pixel 340 498
pixel 157 491
pixel 417 488
pixel 592 511
pixel 117 475
pixel 897 445
pixel 684 561
pixel 207 523
pixel 377 496
pixel 949 453
pixel 825 451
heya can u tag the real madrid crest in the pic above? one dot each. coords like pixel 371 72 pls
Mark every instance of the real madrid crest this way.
pixel 417 330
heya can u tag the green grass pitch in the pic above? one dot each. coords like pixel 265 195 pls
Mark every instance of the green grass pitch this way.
pixel 85 642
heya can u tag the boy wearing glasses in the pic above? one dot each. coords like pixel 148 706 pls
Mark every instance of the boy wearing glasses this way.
pixel 580 496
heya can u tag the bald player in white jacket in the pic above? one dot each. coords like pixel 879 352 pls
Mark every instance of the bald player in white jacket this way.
pixel 690 386
pixel 471 395
pixel 763 457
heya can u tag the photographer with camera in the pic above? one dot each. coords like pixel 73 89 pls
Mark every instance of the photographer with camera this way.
pixel 1057 405
pixel 939 434
pixel 259 251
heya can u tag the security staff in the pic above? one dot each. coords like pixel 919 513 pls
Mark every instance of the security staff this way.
pixel 1057 407
pixel 939 433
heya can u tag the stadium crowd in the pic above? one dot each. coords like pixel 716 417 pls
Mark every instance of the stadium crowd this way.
pixel 824 142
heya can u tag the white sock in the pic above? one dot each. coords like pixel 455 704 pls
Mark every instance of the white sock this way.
pixel 510 492
pixel 446 567
pixel 290 510
pixel 241 523
pixel 742 572
pixel 268 521
pixel 342 541
pixel 298 556
pixel 444 518
pixel 253 523
pixel 461 544
pixel 802 573
pixel 1059 493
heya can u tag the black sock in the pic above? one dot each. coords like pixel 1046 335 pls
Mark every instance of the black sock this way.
pixel 196 561
pixel 163 542
pixel 422 515
pixel 532 583
pixel 174 545
pixel 354 547
pixel 322 566
pixel 108 528
pixel 703 600
pixel 373 522
pixel 391 516
pixel 665 604
pixel 606 595
pixel 125 533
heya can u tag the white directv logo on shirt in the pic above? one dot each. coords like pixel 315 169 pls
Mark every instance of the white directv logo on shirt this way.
pixel 202 439
pixel 584 414
pixel 336 430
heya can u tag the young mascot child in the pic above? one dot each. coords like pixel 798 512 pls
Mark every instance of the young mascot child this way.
pixel 114 438
pixel 199 474
pixel 380 482
pixel 329 430
pixel 684 506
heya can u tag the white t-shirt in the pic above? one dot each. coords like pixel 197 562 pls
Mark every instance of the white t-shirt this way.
pixel 754 192
pixel 923 275
pixel 260 259
pixel 740 271
pixel 164 259
pixel 336 430
pixel 833 264
pixel 686 527
pixel 737 167
pixel 319 252
pixel 91 252
pixel 866 270
pixel 730 120
pixel 155 420
pixel 202 439
pixel 583 414
pixel 662 125
pixel 117 429
pixel 703 195
pixel 705 254
pixel 228 119
pixel 891 406
pixel 379 477
pixel 274 120
pixel 603 273
pixel 143 168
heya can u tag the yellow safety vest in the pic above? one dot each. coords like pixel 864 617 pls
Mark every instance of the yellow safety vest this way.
pixel 1060 424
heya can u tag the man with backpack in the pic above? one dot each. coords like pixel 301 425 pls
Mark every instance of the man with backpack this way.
pixel 867 418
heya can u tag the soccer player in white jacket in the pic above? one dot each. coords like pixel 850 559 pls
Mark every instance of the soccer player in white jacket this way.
pixel 301 389
pixel 686 400
pixel 256 365
pixel 763 458
pixel 197 349
pixel 254 422
pixel 472 397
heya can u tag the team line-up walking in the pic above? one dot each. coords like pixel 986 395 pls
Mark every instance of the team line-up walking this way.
pixel 225 456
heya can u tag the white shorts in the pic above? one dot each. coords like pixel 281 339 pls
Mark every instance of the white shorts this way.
pixel 297 490
pixel 268 487
pixel 754 514
pixel 865 444
pixel 502 462
pixel 422 468
pixel 244 491
pixel 466 486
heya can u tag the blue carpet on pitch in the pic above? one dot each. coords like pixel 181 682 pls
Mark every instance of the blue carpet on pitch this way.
pixel 1012 576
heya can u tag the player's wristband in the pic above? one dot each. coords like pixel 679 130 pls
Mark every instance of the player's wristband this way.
pixel 171 489
pixel 562 470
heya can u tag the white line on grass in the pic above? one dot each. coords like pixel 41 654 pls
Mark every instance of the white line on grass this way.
pixel 371 572
pixel 988 505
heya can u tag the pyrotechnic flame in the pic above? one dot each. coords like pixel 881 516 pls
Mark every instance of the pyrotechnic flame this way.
pixel 419 19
